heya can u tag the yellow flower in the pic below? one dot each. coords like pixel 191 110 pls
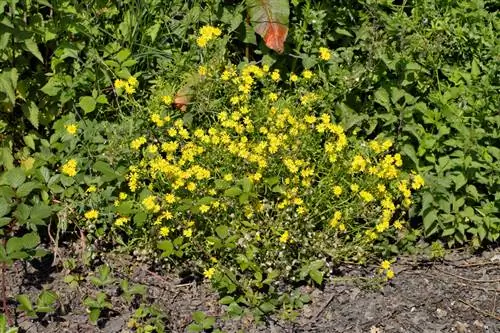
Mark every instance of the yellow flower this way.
pixel 273 97
pixel 228 177
pixel 129 89
pixel 137 143
pixel 381 188
pixel 122 195
pixel 418 182
pixel 191 186
pixel 132 81
pixel 121 221
pixel 70 168
pixel 170 198
pixel 167 99
pixel 91 214
pixel 398 225
pixel 164 231
pixel 284 237
pixel 71 128
pixel 324 53
pixel 91 189
pixel 358 164
pixel 119 84
pixel 150 203
pixel 385 264
pixel 307 74
pixel 207 33
pixel 354 187
pixel 204 208
pixel 337 190
pixel 275 76
pixel 202 70
pixel 366 196
pixel 188 232
pixel 293 77
pixel 208 273
pixel 390 274
pixel 342 227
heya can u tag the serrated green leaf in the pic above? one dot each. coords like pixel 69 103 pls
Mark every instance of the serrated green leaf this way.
pixel 32 47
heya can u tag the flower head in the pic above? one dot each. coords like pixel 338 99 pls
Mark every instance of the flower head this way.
pixel 324 53
pixel 91 214
pixel 71 128
pixel 70 168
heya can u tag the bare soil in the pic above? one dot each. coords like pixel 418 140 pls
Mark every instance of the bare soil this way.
pixel 458 294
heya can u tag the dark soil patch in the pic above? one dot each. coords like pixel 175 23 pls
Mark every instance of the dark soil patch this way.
pixel 459 294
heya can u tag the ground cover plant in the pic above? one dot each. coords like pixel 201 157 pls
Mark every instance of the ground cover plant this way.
pixel 256 144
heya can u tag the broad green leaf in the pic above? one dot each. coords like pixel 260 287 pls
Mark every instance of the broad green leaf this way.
pixel 266 307
pixel 52 87
pixel 222 231
pixel 316 275
pixel 270 21
pixel 382 98
pixel 232 192
pixel 87 103
pixel 13 177
pixel 33 114
pixel 166 246
pixel 26 188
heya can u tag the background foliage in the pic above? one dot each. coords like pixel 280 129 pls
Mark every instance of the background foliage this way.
pixel 424 74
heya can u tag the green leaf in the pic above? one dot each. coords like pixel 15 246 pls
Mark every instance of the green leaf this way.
pixel 104 168
pixel 25 302
pixel 267 307
pixel 226 300
pixel 52 87
pixel 316 275
pixel 33 114
pixel 382 98
pixel 4 207
pixel 32 47
pixel 430 222
pixel 222 231
pixel 26 188
pixel 13 177
pixel 198 316
pixel 123 55
pixel 40 211
pixel 221 184
pixel 247 184
pixel 8 83
pixel 344 32
pixel 232 192
pixel 94 315
pixel 87 103
pixel 166 246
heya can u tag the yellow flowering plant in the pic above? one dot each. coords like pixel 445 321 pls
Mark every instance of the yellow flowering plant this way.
pixel 256 174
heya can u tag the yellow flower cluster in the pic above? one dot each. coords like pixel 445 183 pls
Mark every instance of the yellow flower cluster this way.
pixel 70 168
pixel 324 53
pixel 129 86
pixel 385 266
pixel 206 171
pixel 207 33
pixel 91 214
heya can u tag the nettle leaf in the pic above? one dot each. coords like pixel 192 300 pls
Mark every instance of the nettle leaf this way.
pixel 32 47
pixel 270 20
